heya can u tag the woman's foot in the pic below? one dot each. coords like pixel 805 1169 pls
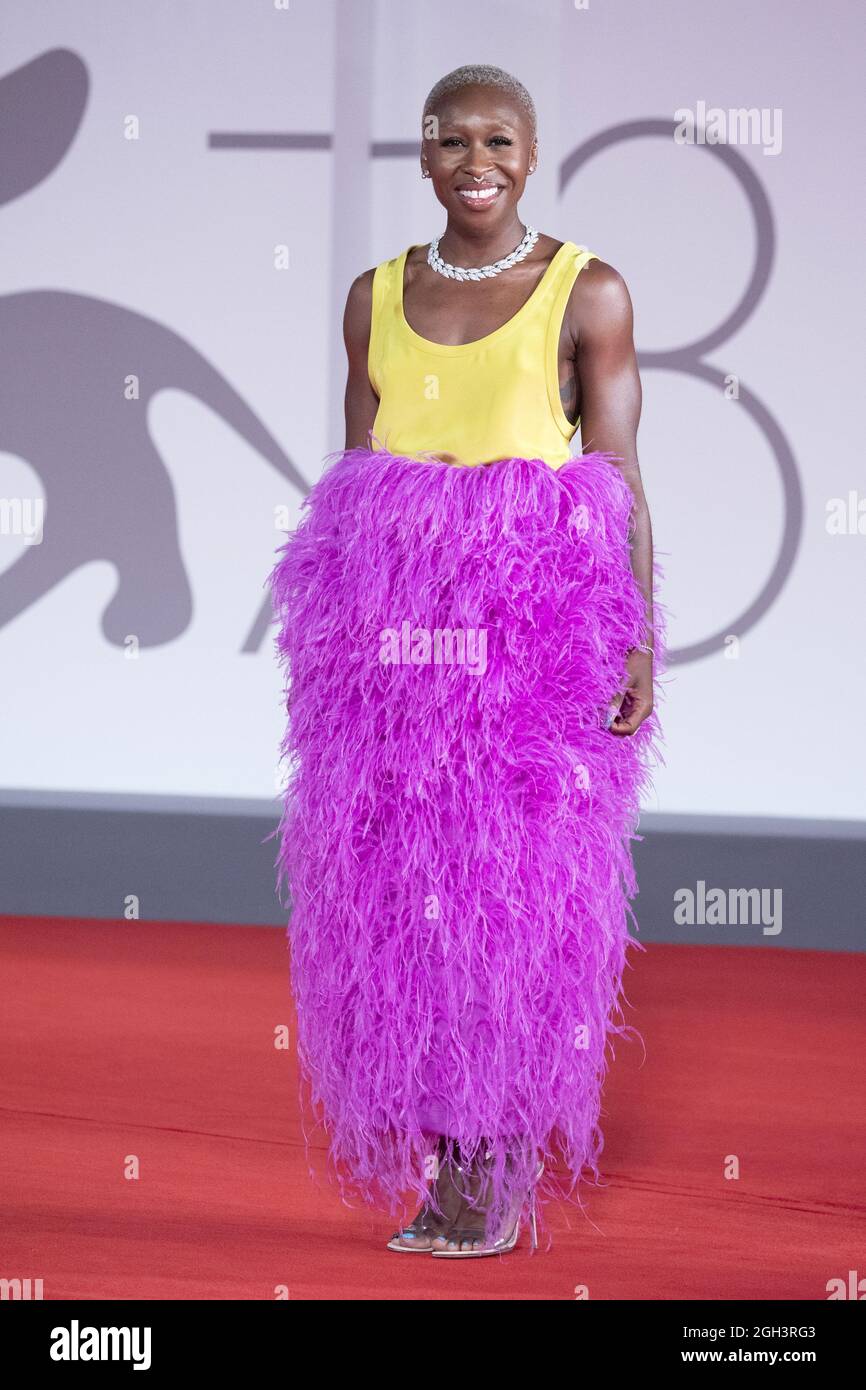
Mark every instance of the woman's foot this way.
pixel 429 1225
pixel 467 1231
pixel 468 1235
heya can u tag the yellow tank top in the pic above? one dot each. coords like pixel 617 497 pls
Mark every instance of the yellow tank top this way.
pixel 496 397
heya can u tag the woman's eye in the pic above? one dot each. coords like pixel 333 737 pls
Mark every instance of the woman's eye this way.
pixel 495 140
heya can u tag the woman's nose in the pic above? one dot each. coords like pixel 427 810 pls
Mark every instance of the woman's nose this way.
pixel 477 166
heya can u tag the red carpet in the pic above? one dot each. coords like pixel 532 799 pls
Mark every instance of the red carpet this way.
pixel 155 1043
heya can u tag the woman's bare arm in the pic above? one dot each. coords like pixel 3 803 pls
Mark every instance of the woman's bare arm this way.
pixel 606 366
pixel 361 401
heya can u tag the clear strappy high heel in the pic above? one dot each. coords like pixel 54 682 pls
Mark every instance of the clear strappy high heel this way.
pixel 503 1243
pixel 424 1226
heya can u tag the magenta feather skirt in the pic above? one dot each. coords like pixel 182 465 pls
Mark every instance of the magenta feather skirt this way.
pixel 457 821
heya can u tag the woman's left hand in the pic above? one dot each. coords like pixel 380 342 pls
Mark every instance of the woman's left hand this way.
pixel 635 704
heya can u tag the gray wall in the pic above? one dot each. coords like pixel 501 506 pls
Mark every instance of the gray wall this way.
pixel 188 191
pixel 177 859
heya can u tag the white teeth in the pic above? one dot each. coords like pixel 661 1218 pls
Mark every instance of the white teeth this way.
pixel 482 194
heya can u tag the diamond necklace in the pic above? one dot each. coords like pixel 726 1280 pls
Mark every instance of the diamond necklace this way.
pixel 483 272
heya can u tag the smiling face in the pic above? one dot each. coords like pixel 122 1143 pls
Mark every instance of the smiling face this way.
pixel 478 148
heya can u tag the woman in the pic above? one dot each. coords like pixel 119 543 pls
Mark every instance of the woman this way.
pixel 466 619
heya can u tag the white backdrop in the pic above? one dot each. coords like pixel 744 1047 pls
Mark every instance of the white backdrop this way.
pixel 174 227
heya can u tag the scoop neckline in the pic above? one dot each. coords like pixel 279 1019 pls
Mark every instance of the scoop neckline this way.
pixel 451 349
